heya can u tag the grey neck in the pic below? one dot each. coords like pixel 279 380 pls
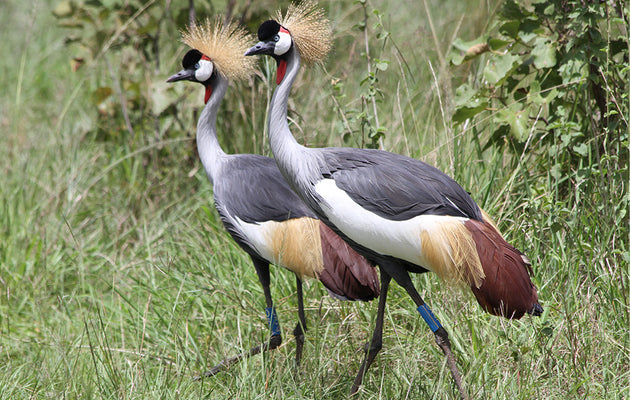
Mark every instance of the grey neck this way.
pixel 208 146
pixel 285 148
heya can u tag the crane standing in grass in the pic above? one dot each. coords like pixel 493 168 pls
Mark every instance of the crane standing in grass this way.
pixel 257 207
pixel 400 213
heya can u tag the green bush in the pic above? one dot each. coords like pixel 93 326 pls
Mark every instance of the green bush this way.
pixel 553 81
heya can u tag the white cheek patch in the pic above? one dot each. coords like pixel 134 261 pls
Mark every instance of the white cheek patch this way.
pixel 204 72
pixel 283 44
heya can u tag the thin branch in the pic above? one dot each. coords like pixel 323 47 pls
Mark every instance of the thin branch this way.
pixel 369 69
pixel 192 16
pixel 346 123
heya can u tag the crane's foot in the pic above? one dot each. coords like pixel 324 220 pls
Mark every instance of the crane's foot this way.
pixel 273 343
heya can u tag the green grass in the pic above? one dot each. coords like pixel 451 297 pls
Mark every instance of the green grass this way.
pixel 118 281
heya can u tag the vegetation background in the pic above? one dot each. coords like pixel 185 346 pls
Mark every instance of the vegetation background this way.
pixel 117 280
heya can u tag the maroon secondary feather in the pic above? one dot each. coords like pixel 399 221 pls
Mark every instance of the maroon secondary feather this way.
pixel 507 289
pixel 345 271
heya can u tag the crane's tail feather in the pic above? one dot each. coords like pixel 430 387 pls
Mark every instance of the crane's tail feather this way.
pixel 473 253
pixel 346 274
pixel 507 289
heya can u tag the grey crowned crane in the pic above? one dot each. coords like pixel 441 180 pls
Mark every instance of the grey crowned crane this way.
pixel 257 207
pixel 400 213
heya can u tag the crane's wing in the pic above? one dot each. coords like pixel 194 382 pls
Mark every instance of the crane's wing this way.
pixel 396 187
pixel 253 189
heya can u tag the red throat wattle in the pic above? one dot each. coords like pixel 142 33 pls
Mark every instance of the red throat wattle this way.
pixel 282 69
pixel 208 94
pixel 208 87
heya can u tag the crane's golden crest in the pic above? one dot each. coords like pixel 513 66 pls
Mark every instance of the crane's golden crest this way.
pixel 309 28
pixel 224 43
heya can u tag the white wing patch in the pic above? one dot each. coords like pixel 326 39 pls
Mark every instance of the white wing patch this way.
pixel 294 244
pixel 400 239
pixel 257 235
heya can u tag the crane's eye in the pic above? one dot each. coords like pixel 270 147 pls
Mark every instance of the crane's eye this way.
pixel 276 38
pixel 197 66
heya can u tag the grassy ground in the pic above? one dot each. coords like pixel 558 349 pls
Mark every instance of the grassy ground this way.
pixel 118 281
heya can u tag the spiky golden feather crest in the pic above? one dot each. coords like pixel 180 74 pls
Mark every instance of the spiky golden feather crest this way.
pixel 309 28
pixel 224 43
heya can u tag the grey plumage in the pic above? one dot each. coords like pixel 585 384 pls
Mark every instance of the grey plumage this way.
pixel 251 176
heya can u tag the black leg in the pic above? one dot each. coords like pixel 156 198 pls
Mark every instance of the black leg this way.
pixel 262 269
pixel 300 328
pixel 375 345
pixel 441 336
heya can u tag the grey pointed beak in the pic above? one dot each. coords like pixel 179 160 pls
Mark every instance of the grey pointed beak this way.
pixel 184 74
pixel 261 48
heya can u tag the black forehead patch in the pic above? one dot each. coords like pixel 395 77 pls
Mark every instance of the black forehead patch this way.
pixel 191 58
pixel 268 29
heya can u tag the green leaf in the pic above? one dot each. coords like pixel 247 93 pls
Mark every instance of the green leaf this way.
pixel 519 126
pixel 360 26
pixel 572 70
pixel 581 149
pixel 544 53
pixel 382 65
pixel 496 44
pixel 463 94
pixel 550 9
pixel 517 119
pixel 468 103
pixel 534 95
pixel 511 10
pixel 498 67
pixel 510 29
pixel 556 171
pixel 529 29
pixel 464 113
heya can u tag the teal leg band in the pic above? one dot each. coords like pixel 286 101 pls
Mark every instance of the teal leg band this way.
pixel 429 318
pixel 272 320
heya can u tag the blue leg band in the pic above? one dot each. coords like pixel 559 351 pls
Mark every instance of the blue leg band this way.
pixel 272 320
pixel 429 318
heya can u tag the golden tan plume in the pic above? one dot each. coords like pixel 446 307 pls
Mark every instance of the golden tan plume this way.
pixel 309 28
pixel 449 250
pixel 224 43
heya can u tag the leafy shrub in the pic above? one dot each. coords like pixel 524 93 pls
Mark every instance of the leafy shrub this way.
pixel 555 83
